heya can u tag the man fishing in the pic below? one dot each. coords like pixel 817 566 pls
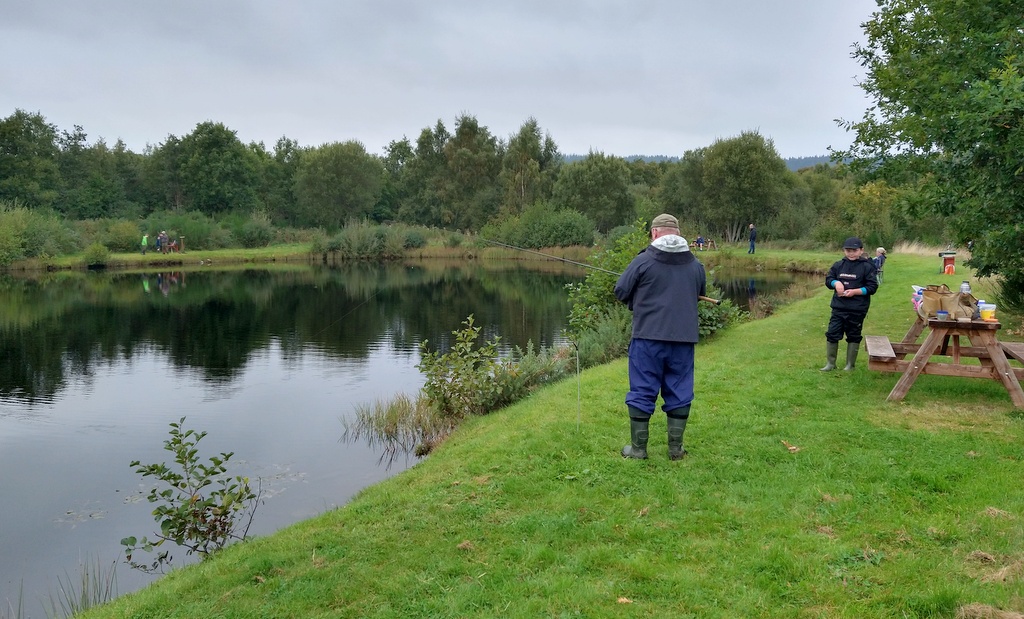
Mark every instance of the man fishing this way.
pixel 661 286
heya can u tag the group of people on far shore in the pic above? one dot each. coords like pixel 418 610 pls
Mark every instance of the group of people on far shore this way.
pixel 163 244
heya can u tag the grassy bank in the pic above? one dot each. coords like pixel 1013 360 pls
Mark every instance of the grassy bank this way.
pixel 805 495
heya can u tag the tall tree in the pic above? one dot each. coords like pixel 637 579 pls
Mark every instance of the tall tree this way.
pixel 162 183
pixel 395 190
pixel 218 172
pixel 744 181
pixel 598 187
pixel 529 168
pixel 337 182
pixel 28 159
pixel 128 167
pixel 947 79
pixel 681 190
pixel 470 195
pixel 424 177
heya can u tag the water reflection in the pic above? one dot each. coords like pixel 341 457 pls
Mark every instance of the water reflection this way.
pixel 759 292
pixel 214 321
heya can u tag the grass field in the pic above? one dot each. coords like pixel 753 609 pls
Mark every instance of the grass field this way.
pixel 805 494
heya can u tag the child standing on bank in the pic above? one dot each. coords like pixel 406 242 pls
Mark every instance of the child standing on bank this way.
pixel 853 280
pixel 879 261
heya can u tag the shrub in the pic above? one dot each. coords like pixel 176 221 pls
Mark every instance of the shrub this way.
pixel 470 379
pixel 541 225
pixel 122 236
pixel 392 242
pixel 200 507
pixel 415 239
pixel 459 382
pixel 318 241
pixel 257 231
pixel 606 338
pixel 358 240
pixel 27 233
pixel 97 254
pixel 453 240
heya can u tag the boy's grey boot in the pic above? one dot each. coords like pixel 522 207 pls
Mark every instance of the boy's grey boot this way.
pixel 637 448
pixel 852 348
pixel 831 352
pixel 677 419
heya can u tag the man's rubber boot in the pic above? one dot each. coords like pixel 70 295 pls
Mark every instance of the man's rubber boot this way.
pixel 831 352
pixel 637 448
pixel 852 348
pixel 677 419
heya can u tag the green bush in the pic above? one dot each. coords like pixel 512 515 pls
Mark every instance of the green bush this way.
pixel 122 236
pixel 27 233
pixel 606 338
pixel 318 241
pixel 541 225
pixel 97 254
pixel 10 245
pixel 453 240
pixel 392 242
pixel 358 240
pixel 414 239
pixel 256 234
pixel 470 379
pixel 201 506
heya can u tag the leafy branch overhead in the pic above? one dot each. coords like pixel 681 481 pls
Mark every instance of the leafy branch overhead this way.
pixel 947 81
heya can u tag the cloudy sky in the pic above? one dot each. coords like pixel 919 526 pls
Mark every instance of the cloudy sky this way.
pixel 656 77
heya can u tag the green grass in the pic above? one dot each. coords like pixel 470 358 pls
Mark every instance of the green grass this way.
pixel 908 509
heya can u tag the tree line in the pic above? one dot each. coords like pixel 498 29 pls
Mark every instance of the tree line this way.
pixel 463 178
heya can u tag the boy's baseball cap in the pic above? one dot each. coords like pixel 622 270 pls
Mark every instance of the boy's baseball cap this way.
pixel 853 243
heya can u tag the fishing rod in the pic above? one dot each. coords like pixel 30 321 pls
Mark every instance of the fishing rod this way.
pixel 579 264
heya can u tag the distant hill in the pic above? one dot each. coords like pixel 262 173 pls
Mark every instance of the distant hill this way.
pixel 799 163
pixel 793 163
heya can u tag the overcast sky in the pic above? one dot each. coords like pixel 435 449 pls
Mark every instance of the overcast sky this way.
pixel 654 77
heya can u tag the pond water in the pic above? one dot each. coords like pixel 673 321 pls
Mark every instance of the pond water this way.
pixel 271 362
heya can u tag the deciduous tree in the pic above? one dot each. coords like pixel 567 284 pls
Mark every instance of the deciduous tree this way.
pixel 218 172
pixel 28 159
pixel 337 182
pixel 598 187
pixel 947 81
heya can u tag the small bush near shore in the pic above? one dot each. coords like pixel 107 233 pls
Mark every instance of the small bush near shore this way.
pixel 97 255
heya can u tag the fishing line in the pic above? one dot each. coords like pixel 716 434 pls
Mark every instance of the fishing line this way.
pixel 539 253
pixel 579 388
pixel 579 264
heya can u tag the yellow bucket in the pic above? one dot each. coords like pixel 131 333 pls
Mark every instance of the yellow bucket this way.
pixel 988 312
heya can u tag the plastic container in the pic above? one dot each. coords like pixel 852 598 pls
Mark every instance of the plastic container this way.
pixel 942 315
pixel 988 312
pixel 965 287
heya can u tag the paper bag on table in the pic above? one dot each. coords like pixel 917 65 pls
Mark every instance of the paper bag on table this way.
pixel 940 297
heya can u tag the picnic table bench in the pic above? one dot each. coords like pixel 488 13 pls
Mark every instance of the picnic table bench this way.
pixel 943 354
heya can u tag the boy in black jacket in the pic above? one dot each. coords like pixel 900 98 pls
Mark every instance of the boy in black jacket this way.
pixel 853 280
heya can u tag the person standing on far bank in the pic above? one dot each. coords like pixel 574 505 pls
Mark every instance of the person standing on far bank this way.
pixel 879 261
pixel 753 238
pixel 661 286
pixel 145 243
pixel 853 280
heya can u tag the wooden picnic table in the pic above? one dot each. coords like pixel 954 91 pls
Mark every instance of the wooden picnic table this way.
pixel 943 353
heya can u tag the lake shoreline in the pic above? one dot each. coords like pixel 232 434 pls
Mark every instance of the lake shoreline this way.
pixel 787 502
